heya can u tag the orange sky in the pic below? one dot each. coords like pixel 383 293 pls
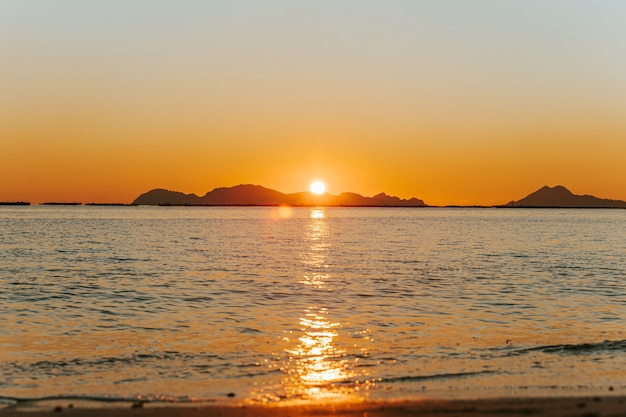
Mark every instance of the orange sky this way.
pixel 452 102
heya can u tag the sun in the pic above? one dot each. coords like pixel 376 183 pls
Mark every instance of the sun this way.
pixel 317 187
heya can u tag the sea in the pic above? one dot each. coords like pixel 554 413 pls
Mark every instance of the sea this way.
pixel 280 305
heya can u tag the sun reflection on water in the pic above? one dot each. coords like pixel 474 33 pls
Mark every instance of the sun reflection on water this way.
pixel 318 368
pixel 317 213
pixel 314 259
pixel 317 365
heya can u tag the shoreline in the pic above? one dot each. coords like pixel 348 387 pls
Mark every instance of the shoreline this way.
pixel 584 405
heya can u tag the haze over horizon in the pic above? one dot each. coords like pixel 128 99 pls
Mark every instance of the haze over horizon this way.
pixel 451 102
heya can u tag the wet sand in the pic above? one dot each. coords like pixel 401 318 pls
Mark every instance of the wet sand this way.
pixel 567 406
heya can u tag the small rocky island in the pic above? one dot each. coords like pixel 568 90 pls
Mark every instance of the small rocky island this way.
pixel 561 197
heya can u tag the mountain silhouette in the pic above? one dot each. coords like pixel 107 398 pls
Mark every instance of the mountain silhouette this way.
pixel 560 196
pixel 256 195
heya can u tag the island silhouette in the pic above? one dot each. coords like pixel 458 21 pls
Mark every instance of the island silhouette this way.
pixel 256 195
pixel 561 197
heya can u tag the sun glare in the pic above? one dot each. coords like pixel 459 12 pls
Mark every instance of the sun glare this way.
pixel 318 187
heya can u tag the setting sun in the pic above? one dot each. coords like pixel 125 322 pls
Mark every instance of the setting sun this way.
pixel 317 187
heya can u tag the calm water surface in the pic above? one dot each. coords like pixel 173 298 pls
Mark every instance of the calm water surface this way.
pixel 310 304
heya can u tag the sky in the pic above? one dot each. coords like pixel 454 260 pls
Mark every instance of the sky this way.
pixel 450 101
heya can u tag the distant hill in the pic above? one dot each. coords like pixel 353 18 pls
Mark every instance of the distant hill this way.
pixel 560 196
pixel 256 195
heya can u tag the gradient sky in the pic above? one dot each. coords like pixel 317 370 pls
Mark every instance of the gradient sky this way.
pixel 453 102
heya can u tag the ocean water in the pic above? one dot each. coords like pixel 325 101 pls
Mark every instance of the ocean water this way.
pixel 279 305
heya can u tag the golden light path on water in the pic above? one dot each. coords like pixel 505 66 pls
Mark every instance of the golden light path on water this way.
pixel 317 366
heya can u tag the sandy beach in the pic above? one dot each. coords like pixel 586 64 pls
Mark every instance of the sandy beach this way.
pixel 564 406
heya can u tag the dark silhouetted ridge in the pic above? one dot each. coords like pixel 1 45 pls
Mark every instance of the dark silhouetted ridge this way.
pixel 561 197
pixel 161 196
pixel 256 195
pixel 245 194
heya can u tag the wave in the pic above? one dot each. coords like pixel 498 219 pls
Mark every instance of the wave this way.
pixel 106 399
pixel 152 362
pixel 606 346
pixel 415 378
